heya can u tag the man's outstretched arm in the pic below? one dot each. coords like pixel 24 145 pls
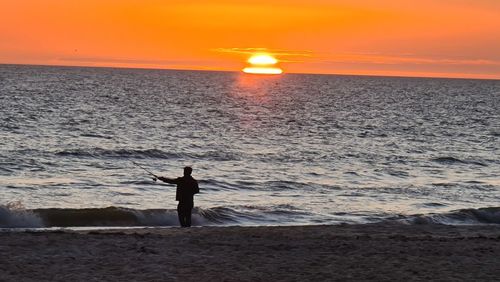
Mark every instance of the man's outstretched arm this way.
pixel 168 180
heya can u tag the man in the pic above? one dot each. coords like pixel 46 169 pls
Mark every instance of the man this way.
pixel 187 186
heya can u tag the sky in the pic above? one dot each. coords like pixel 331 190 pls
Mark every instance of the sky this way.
pixel 435 38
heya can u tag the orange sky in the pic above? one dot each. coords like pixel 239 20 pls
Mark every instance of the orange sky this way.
pixel 448 38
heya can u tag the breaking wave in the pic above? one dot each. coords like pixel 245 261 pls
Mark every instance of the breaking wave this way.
pixel 14 216
pixel 126 217
pixel 489 215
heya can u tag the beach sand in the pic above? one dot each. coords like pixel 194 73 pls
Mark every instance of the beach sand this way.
pixel 373 252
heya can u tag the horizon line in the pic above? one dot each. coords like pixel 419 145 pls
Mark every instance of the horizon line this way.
pixel 236 71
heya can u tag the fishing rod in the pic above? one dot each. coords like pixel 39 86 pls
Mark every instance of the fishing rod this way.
pixel 146 170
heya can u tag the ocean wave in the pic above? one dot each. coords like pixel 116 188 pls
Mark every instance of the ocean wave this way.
pixel 215 156
pixel 488 215
pixel 87 217
pixel 127 217
pixel 274 186
pixel 433 205
pixel 278 185
pixel 221 215
pixel 452 160
pixel 13 215
pixel 216 185
pixel 147 154
pixel 93 135
pixel 4 169
pixel 117 153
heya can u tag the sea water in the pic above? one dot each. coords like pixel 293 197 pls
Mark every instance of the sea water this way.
pixel 267 150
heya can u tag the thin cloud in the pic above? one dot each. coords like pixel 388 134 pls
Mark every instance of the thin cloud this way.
pixel 276 52
pixel 305 56
pixel 403 59
pixel 134 61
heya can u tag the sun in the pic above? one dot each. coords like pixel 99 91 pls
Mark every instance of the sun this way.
pixel 262 59
pixel 262 64
pixel 260 70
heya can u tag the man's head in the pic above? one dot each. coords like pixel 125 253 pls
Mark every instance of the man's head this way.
pixel 187 171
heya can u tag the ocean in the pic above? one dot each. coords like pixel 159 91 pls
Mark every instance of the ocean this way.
pixel 292 149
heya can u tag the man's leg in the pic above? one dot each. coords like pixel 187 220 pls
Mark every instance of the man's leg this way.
pixel 180 214
pixel 184 210
pixel 188 216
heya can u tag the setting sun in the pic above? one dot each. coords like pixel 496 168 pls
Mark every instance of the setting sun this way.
pixel 263 70
pixel 262 64
pixel 262 59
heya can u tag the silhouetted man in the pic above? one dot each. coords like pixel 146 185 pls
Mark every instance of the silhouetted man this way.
pixel 187 186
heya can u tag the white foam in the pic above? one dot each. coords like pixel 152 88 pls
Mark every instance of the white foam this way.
pixel 157 218
pixel 14 215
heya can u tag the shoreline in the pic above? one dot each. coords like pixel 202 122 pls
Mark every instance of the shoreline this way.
pixel 344 252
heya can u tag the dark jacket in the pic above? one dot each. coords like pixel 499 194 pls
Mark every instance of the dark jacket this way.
pixel 187 186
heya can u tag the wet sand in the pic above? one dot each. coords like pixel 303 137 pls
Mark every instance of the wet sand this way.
pixel 379 252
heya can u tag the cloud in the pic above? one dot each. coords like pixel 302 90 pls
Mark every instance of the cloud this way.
pixel 134 61
pixel 307 56
pixel 408 59
pixel 275 52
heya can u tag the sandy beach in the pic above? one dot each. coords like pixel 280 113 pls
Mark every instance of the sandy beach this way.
pixel 380 252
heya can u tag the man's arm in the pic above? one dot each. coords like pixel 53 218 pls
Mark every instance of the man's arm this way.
pixel 168 180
